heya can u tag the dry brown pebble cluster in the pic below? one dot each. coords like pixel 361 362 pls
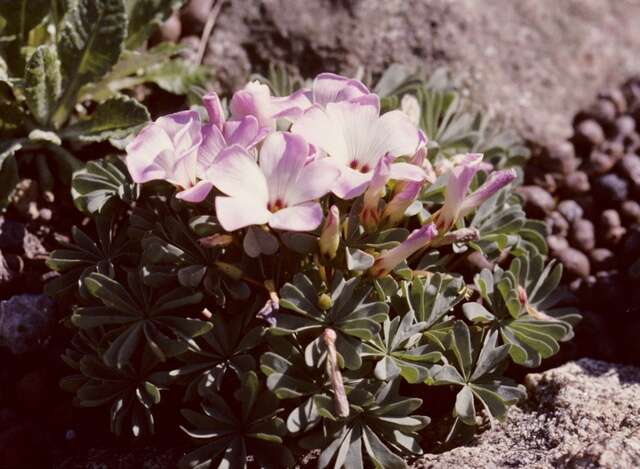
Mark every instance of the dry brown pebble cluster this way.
pixel 587 189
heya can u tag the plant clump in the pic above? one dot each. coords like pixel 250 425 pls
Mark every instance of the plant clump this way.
pixel 292 265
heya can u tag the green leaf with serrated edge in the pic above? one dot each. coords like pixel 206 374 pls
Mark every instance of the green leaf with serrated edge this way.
pixel 145 16
pixel 43 83
pixel 114 118
pixel 90 44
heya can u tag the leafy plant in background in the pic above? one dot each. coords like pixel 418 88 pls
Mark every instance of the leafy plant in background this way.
pixel 65 68
pixel 303 297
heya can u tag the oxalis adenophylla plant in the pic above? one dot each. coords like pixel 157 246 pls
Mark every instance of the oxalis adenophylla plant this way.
pixel 297 265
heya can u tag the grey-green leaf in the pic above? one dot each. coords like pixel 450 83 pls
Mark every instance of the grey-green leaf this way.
pixel 43 83
pixel 114 118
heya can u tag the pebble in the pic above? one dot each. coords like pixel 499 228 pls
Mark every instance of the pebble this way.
pixel 604 110
pixel 630 167
pixel 26 321
pixel 610 219
pixel 170 30
pixel 570 210
pixel 625 125
pixel 611 188
pixel 575 262
pixel 614 235
pixel 536 199
pixel 194 15
pixel 577 182
pixel 557 243
pixel 602 259
pixel 560 157
pixel 589 133
pixel 583 235
pixel 616 96
pixel 600 162
pixel 557 224
pixel 630 210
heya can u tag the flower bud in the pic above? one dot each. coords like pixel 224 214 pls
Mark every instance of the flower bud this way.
pixel 340 400
pixel 370 213
pixel 330 236
pixel 324 302
pixel 395 209
pixel 388 260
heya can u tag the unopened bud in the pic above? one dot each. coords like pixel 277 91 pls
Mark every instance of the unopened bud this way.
pixel 396 208
pixel 324 302
pixel 340 400
pixel 330 236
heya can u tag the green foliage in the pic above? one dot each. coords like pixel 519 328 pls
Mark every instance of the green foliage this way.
pixel 254 429
pixel 285 348
pixel 66 69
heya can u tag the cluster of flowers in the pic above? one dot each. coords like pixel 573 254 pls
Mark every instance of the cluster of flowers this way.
pixel 337 143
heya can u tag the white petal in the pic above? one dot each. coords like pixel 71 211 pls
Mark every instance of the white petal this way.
pixel 238 175
pixel 234 213
pixel 315 180
pixel 304 217
pixel 282 157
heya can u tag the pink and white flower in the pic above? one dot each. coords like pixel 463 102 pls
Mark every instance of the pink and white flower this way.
pixel 167 149
pixel 255 100
pixel 457 203
pixel 281 190
pixel 220 133
pixel 331 88
pixel 389 260
pixel 355 137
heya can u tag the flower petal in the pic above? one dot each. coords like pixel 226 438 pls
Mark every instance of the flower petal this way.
pixel 150 155
pixel 211 102
pixel 236 174
pixel 234 213
pixel 331 88
pixel 397 134
pixel 196 193
pixel 212 144
pixel 318 129
pixel 282 158
pixel 407 172
pixel 303 217
pixel 183 128
pixel 351 183
pixel 246 132
pixel 496 181
pixel 315 180
pixel 291 106
pixel 253 100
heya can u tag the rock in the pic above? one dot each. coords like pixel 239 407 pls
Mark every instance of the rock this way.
pixel 589 134
pixel 194 15
pixel 625 125
pixel 630 167
pixel 33 390
pixel 583 235
pixel 26 321
pixel 616 96
pixel 170 30
pixel 15 238
pixel 572 43
pixel 610 219
pixel 614 235
pixel 560 157
pixel 604 110
pixel 575 262
pixel 570 210
pixel 584 414
pixel 611 188
pixel 602 259
pixel 630 210
pixel 557 224
pixel 631 244
pixel 600 162
pixel 577 182
pixel 557 243
pixel 536 199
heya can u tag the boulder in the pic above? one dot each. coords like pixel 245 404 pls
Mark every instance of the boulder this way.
pixel 26 322
pixel 584 414
pixel 519 60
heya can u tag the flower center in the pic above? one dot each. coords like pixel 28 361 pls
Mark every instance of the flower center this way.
pixel 275 206
pixel 355 165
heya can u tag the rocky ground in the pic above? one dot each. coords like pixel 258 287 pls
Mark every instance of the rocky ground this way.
pixel 533 63
pixel 584 414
